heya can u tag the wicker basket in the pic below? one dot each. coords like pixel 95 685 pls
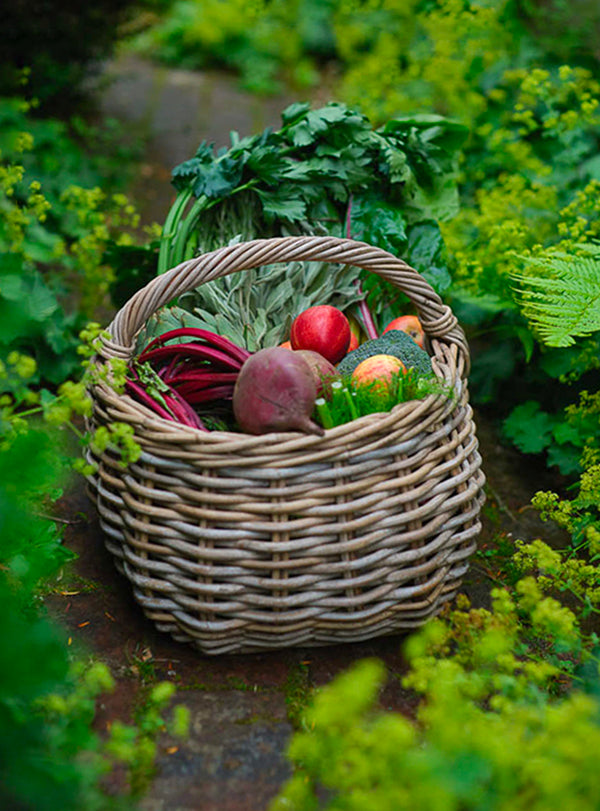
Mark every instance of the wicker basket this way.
pixel 242 543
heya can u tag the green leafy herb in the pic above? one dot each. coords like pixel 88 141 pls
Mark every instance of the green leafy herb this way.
pixel 303 177
pixel 349 400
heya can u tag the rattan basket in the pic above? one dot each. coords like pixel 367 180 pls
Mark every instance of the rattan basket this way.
pixel 242 543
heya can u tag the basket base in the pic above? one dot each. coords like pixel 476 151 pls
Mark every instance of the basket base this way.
pixel 211 639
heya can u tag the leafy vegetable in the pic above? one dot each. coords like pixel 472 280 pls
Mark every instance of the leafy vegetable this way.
pixel 325 171
pixel 304 176
pixel 172 378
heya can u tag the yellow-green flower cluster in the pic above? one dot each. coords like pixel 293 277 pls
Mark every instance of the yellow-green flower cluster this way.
pixel 101 217
pixel 402 59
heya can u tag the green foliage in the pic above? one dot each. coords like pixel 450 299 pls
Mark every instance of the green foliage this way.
pixel 49 756
pixel 508 695
pixel 497 698
pixel 568 437
pixel 462 756
pixel 267 43
pixel 349 399
pixel 305 175
pixel 53 237
pixel 580 516
pixel 37 764
pixel 565 301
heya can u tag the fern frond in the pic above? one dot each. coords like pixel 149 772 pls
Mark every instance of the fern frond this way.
pixel 561 300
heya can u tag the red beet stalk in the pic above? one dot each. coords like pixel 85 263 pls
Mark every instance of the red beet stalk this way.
pixel 207 395
pixel 190 352
pixel 183 411
pixel 178 409
pixel 201 335
pixel 202 379
pixel 138 392
pixel 363 308
pixel 367 317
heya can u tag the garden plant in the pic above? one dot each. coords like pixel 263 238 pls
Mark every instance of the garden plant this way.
pixel 480 125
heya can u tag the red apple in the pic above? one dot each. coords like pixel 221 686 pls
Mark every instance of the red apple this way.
pixel 324 329
pixel 353 343
pixel 409 324
pixel 379 369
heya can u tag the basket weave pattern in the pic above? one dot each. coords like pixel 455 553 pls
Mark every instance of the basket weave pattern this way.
pixel 240 543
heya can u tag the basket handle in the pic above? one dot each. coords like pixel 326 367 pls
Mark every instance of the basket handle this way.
pixel 436 317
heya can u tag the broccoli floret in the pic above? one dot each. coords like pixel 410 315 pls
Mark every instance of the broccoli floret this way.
pixel 396 343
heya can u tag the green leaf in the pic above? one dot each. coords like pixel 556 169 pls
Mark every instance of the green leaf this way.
pixel 562 301
pixel 529 428
pixel 491 367
pixel 286 204
pixel 567 459
pixel 473 307
pixel 317 122
pixel 397 164
pixel 379 223
pixel 268 163
pixel 220 178
pixel 25 303
pixel 440 202
pixel 446 133
pixel 185 174
pixel 295 111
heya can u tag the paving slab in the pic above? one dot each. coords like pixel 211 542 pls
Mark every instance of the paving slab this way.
pixel 233 760
pixel 171 111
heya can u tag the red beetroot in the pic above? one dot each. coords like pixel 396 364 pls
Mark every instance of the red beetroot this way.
pixel 275 391
pixel 324 372
pixel 324 329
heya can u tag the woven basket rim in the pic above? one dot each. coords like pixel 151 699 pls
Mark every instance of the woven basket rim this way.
pixel 437 318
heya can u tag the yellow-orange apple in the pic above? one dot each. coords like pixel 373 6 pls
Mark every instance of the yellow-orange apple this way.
pixel 409 324
pixel 379 369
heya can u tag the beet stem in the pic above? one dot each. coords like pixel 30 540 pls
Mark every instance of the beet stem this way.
pixel 210 338
pixel 138 392
pixel 191 352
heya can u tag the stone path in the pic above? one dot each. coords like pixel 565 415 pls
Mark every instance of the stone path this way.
pixel 172 111
pixel 243 708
